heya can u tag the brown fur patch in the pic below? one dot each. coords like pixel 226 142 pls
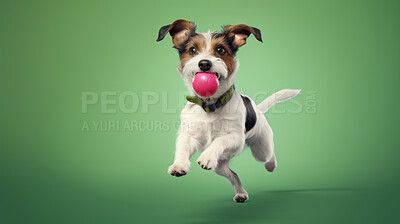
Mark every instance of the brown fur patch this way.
pixel 239 33
pixel 180 31
pixel 199 42
pixel 228 57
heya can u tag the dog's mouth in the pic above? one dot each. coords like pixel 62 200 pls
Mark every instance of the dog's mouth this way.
pixel 215 73
pixel 205 84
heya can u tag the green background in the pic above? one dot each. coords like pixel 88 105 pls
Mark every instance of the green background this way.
pixel 336 165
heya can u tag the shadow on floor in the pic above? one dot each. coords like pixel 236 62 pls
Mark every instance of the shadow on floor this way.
pixel 288 206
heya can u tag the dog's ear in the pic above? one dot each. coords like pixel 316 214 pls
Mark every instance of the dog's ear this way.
pixel 239 33
pixel 180 31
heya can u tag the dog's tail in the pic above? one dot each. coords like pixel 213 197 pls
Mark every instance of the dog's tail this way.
pixel 277 97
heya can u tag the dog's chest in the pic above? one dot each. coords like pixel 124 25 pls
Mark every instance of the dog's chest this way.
pixel 205 131
pixel 205 127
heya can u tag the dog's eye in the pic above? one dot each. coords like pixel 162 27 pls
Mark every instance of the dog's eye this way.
pixel 192 50
pixel 220 50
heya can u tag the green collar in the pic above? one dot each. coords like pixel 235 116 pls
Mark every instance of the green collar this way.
pixel 224 99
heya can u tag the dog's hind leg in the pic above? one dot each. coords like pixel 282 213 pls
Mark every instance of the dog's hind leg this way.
pixel 224 170
pixel 262 145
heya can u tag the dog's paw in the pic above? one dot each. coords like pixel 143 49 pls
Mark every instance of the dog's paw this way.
pixel 241 197
pixel 179 169
pixel 207 161
pixel 270 166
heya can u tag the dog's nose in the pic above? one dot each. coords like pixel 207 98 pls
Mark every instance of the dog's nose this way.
pixel 205 65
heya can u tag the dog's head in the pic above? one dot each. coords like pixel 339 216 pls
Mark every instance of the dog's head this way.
pixel 211 52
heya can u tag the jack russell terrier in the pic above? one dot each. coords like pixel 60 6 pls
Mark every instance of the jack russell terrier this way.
pixel 217 120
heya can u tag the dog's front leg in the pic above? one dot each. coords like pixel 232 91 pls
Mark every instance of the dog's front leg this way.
pixel 186 145
pixel 224 147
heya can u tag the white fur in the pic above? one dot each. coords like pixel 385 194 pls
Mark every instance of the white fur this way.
pixel 220 135
pixel 277 97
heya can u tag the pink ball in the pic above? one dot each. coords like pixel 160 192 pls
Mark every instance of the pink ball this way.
pixel 205 84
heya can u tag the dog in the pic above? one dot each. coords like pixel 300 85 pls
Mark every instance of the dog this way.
pixel 219 125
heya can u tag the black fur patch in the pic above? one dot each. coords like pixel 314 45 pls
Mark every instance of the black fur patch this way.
pixel 233 47
pixel 258 34
pixel 162 32
pixel 251 117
